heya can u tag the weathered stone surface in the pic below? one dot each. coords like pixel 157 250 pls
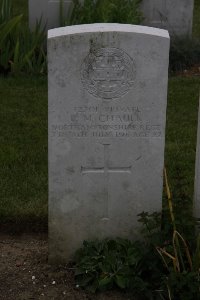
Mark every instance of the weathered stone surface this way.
pixel 173 15
pixel 197 177
pixel 49 11
pixel 107 107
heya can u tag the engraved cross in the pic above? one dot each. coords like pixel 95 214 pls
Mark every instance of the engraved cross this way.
pixel 106 170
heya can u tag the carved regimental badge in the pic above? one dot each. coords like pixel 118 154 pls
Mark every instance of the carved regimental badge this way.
pixel 108 73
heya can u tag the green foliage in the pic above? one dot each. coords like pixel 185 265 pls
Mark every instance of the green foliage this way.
pixel 20 49
pixel 106 11
pixel 29 55
pixel 6 11
pixel 184 286
pixel 23 153
pixel 136 266
pixel 133 266
pixel 104 264
pixel 64 16
pixel 182 113
pixel 8 26
pixel 21 7
pixel 182 280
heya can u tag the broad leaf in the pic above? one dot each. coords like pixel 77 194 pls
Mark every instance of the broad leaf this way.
pixel 6 28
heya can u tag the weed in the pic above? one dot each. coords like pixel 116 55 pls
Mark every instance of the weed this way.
pixel 135 266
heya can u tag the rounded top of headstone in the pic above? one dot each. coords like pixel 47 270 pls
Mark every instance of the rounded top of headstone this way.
pixel 106 27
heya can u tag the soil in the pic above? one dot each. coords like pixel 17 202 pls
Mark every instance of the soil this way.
pixel 25 273
pixel 193 71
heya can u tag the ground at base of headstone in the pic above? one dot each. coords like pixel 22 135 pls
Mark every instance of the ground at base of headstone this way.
pixel 193 71
pixel 25 273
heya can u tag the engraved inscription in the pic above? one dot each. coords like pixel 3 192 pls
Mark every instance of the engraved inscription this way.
pixel 108 73
pixel 106 170
pixel 106 122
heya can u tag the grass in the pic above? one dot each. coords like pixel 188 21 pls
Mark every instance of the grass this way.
pixel 181 130
pixel 180 153
pixel 23 152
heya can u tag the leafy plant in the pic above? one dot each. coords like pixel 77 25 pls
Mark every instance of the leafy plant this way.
pixel 106 11
pixel 157 267
pixel 29 54
pixel 20 49
pixel 6 11
pixel 104 264
pixel 134 266
pixel 8 26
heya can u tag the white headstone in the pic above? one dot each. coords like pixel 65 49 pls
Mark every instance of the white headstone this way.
pixel 197 177
pixel 173 15
pixel 107 106
pixel 49 11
